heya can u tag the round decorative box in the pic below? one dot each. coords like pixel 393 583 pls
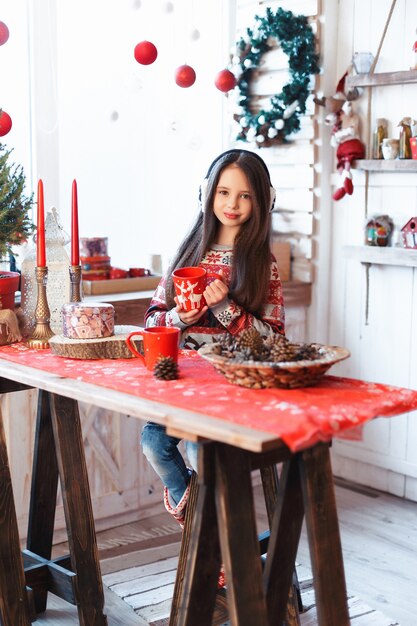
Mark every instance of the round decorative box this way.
pixel 87 321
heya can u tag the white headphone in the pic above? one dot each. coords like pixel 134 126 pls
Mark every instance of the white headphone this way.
pixel 202 197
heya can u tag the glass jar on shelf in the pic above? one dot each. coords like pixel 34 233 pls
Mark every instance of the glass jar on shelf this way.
pixel 404 151
pixel 380 133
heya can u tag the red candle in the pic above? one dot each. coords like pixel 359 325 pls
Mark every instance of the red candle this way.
pixel 75 245
pixel 40 231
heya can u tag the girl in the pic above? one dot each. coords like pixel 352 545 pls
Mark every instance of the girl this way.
pixel 230 237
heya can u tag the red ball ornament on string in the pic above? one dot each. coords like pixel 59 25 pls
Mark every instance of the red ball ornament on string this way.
pixel 5 123
pixel 145 52
pixel 225 80
pixel 4 33
pixel 185 76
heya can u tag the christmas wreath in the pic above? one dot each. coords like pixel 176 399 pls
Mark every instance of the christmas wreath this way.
pixel 281 118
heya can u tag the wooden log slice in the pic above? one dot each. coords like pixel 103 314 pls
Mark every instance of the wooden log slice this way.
pixel 101 348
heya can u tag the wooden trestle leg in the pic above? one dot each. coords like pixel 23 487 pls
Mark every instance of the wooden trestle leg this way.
pixel 14 609
pixel 199 563
pixel 324 536
pixel 306 487
pixel 270 484
pixel 59 450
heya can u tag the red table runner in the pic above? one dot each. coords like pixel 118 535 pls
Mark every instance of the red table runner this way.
pixel 300 417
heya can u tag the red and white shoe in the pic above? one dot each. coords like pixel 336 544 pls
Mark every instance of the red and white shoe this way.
pixel 177 511
pixel 221 582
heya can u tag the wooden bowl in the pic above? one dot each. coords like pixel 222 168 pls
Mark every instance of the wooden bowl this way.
pixel 285 375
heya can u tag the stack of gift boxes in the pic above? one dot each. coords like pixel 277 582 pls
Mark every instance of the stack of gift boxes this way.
pixel 95 262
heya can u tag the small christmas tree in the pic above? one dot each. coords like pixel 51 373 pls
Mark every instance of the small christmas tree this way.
pixel 15 224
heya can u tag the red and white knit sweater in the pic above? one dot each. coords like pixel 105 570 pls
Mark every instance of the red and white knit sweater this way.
pixel 227 316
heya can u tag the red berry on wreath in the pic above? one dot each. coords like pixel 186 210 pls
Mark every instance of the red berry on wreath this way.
pixel 185 76
pixel 4 33
pixel 5 123
pixel 145 52
pixel 225 80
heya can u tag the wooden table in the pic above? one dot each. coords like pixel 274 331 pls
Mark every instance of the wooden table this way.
pixel 221 520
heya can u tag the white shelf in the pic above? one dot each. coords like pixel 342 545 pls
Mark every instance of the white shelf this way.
pixel 389 165
pixel 382 256
pixel 382 78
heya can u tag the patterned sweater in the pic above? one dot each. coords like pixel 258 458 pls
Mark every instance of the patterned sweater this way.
pixel 227 316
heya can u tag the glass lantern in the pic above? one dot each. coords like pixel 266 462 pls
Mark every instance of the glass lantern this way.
pixel 58 285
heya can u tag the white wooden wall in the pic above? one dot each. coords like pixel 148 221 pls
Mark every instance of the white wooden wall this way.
pixel 291 165
pixel 383 344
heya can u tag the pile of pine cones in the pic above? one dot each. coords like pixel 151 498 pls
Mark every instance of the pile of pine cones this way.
pixel 249 345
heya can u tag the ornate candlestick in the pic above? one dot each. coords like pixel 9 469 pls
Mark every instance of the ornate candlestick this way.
pixel 42 333
pixel 75 278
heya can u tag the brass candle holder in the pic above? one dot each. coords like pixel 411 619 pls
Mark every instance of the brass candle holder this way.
pixel 75 279
pixel 42 332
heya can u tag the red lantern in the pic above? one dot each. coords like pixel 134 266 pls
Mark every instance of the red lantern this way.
pixel 4 33
pixel 225 81
pixel 185 76
pixel 145 52
pixel 5 123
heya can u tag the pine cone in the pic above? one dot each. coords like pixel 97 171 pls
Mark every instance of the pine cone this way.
pixel 225 341
pixel 250 339
pixel 308 352
pixel 166 368
pixel 280 349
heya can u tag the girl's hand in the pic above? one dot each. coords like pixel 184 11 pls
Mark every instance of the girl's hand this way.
pixel 189 317
pixel 216 291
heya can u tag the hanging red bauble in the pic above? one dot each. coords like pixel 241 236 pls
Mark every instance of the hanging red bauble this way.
pixel 4 33
pixel 5 123
pixel 185 76
pixel 145 52
pixel 225 80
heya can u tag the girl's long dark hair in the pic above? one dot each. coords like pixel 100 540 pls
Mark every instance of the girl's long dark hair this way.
pixel 250 276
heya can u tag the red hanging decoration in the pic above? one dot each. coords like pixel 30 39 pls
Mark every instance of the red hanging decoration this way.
pixel 5 123
pixel 4 33
pixel 185 76
pixel 225 80
pixel 145 52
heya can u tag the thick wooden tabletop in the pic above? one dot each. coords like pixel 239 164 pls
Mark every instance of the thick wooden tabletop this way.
pixel 187 424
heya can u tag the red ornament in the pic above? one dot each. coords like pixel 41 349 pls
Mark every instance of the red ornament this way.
pixel 225 81
pixel 4 33
pixel 5 123
pixel 185 76
pixel 145 52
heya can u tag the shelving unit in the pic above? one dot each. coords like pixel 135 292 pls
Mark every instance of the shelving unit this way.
pixel 382 256
pixel 380 79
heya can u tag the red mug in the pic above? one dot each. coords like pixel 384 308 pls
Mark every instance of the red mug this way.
pixel 136 272
pixel 157 341
pixel 190 283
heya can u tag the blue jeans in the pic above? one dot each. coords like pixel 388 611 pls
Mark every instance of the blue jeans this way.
pixel 162 452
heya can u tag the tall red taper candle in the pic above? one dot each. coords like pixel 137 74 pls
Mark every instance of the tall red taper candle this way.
pixel 75 244
pixel 40 229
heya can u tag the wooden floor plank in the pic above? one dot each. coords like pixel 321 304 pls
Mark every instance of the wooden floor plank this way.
pixel 133 573
pixel 144 583
pixel 154 596
pixel 156 612
pixel 138 557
